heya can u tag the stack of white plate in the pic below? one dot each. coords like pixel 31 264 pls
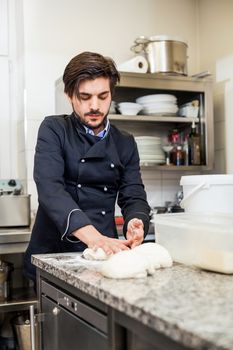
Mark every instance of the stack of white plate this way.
pixel 162 104
pixel 150 150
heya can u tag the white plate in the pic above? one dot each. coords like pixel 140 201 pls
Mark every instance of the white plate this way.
pixel 158 103
pixel 156 97
pixel 165 114
pixel 172 109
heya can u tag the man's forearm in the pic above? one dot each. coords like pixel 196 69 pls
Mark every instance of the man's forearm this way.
pixel 87 234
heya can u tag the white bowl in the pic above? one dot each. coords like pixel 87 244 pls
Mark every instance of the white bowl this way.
pixel 129 108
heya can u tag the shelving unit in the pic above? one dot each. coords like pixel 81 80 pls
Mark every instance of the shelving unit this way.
pixel 153 119
pixel 21 300
pixel 13 242
pixel 134 85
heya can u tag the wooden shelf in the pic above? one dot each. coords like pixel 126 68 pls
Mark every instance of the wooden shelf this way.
pixel 152 118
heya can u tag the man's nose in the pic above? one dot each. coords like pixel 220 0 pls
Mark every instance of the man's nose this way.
pixel 94 103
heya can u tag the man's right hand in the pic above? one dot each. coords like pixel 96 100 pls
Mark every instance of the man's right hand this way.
pixel 94 239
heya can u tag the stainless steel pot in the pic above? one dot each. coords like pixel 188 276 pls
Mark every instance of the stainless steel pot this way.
pixel 164 54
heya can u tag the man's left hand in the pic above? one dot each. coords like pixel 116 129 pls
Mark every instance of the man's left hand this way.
pixel 135 232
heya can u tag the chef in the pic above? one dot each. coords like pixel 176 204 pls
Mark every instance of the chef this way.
pixel 83 165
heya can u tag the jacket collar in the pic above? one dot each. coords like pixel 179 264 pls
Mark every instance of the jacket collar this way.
pixel 97 146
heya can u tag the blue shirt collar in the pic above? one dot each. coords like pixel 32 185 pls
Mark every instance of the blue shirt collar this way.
pixel 102 134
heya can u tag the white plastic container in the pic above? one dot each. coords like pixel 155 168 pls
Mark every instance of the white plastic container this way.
pixel 205 241
pixel 207 193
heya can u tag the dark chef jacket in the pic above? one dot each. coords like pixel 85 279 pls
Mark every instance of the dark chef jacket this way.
pixel 78 178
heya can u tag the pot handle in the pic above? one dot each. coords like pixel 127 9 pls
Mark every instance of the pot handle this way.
pixel 139 44
pixel 142 40
pixel 137 48
pixel 191 193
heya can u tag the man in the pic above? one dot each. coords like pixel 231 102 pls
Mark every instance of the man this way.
pixel 82 165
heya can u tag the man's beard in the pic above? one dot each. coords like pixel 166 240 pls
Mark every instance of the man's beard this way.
pixel 94 127
pixel 94 112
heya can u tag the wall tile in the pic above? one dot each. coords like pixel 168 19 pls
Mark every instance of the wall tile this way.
pixel 21 135
pixel 219 135
pixel 220 162
pixel 30 164
pixel 169 190
pixel 219 102
pixel 22 165
pixel 33 192
pixel 154 193
pixel 32 127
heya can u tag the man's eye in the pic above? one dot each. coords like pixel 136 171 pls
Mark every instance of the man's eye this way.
pixel 84 97
pixel 103 97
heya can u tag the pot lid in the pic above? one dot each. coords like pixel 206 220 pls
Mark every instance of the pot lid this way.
pixel 167 38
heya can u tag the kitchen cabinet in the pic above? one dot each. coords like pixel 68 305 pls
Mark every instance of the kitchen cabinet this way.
pixel 71 318
pixel 140 337
pixel 186 89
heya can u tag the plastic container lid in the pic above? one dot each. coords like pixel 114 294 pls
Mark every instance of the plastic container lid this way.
pixel 210 179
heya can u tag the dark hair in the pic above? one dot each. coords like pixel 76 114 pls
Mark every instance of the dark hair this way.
pixel 89 65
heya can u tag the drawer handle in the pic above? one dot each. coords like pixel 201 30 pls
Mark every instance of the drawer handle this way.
pixel 55 311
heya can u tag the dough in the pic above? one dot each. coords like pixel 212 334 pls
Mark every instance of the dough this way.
pixel 157 255
pixel 125 264
pixel 136 263
pixel 98 254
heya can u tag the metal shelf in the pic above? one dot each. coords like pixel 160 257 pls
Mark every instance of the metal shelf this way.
pixel 21 299
pixel 173 167
pixel 152 118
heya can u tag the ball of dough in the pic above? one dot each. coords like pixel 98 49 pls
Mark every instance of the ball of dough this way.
pixel 98 254
pixel 156 254
pixel 125 264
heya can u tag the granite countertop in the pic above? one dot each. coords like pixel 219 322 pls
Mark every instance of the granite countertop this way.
pixel 191 306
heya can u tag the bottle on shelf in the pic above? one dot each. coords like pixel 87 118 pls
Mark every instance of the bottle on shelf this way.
pixel 179 156
pixel 174 139
pixel 194 146
pixel 186 150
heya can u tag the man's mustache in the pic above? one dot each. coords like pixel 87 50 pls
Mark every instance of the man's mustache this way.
pixel 94 112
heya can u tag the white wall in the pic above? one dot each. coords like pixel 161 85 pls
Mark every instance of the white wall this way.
pixel 216 52
pixel 55 31
pixel 12 148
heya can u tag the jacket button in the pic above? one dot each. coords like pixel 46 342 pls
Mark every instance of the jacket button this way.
pixel 82 160
pixel 79 185
pixel 105 188
pixel 103 212
pixel 112 165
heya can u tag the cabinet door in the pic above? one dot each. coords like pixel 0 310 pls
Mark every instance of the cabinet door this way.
pixel 61 330
pixel 153 341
